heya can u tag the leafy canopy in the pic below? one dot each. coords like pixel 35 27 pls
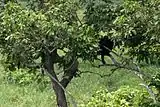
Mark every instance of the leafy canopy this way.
pixel 134 25
pixel 24 33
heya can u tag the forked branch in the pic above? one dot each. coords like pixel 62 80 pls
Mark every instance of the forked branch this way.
pixel 133 67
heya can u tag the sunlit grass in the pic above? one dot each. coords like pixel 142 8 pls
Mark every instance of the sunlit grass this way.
pixel 82 88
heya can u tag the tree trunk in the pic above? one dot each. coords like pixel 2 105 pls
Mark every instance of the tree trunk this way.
pixel 60 94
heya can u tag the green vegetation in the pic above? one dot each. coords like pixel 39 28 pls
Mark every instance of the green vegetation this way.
pixel 82 88
pixel 123 97
pixel 60 38
pixel 12 95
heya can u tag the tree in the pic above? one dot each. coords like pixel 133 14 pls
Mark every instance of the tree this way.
pixel 33 39
pixel 134 25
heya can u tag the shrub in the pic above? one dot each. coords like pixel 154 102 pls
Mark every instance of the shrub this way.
pixel 26 77
pixel 123 97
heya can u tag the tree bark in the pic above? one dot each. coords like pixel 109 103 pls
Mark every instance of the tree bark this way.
pixel 69 72
pixel 48 65
pixel 60 95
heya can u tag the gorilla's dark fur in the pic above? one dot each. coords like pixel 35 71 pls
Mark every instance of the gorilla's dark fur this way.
pixel 105 43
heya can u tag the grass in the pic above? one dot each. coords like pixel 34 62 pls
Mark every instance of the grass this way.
pixel 12 95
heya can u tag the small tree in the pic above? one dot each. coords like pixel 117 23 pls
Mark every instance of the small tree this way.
pixel 32 39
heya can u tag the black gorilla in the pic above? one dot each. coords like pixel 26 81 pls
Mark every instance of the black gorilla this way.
pixel 105 43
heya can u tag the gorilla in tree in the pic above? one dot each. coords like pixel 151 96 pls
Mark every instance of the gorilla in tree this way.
pixel 106 46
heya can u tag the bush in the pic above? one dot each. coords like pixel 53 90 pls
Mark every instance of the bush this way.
pixel 25 77
pixel 123 97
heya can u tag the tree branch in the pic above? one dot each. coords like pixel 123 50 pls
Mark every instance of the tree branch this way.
pixel 134 67
pixel 138 72
pixel 48 50
pixel 101 75
pixel 70 72
pixel 149 91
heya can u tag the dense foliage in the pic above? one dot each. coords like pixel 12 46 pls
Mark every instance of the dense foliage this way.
pixel 123 97
pixel 138 27
pixel 25 77
pixel 134 25
pixel 26 32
